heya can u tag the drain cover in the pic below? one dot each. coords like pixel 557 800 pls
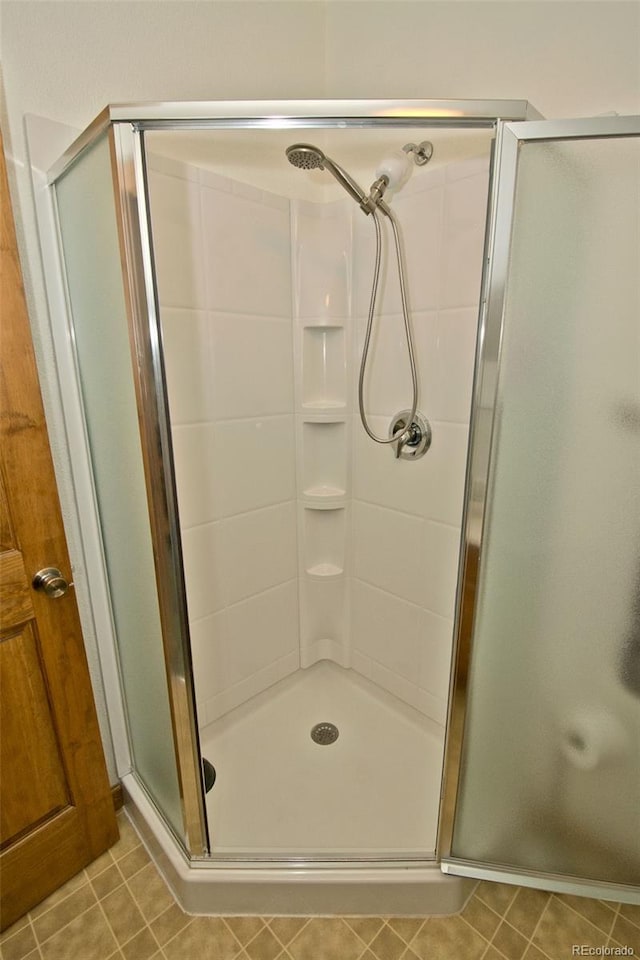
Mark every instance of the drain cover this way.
pixel 324 733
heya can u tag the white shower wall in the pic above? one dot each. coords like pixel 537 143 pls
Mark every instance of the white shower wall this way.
pixel 407 514
pixel 222 255
pixel 302 538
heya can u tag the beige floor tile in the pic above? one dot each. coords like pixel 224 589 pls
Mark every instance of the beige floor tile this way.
pixel 123 915
pixel 442 938
pixel 150 892
pixel 493 954
pixel 387 945
pixel 626 933
pixel 326 939
pixel 245 929
pixel 98 865
pixel 595 911
pixel 481 917
pixel 107 881
pixel 169 923
pixel 128 839
pixel 13 929
pixel 498 896
pixel 133 861
pixel 560 928
pixel 526 909
pixel 88 936
pixel 365 927
pixel 286 928
pixel 48 924
pixel 405 927
pixel 509 942
pixel 141 947
pixel 19 944
pixel 264 946
pixel 532 953
pixel 60 894
pixel 631 912
pixel 205 938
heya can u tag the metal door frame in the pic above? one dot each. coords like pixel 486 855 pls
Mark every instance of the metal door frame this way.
pixel 125 125
pixel 509 139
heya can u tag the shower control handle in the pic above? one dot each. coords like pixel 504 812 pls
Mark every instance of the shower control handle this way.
pixel 51 582
pixel 412 442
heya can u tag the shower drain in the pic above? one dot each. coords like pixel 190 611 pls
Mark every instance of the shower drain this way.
pixel 324 733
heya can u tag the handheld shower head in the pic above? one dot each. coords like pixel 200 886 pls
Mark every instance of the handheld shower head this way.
pixel 307 157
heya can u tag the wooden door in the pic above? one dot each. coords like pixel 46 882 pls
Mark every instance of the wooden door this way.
pixel 56 807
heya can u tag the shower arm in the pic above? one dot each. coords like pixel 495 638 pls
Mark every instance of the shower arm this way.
pixel 347 182
pixel 368 204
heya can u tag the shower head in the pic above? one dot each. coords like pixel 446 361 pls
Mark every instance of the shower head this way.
pixel 307 157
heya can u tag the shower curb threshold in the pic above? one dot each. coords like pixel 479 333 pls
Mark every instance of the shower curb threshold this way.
pixel 255 888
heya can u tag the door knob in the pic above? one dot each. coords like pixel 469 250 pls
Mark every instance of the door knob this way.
pixel 50 581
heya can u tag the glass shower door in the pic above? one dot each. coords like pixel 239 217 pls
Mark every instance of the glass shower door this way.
pixel 543 755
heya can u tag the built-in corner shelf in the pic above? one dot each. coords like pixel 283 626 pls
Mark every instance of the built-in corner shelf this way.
pixel 324 532
pixel 322 571
pixel 323 458
pixel 324 367
pixel 323 406
pixel 322 426
pixel 323 497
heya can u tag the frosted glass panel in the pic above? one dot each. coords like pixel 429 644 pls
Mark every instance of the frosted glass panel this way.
pixel 91 252
pixel 550 777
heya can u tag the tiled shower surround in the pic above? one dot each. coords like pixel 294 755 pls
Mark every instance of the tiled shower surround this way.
pixel 302 538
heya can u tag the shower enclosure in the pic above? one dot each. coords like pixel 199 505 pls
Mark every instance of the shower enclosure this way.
pixel 313 613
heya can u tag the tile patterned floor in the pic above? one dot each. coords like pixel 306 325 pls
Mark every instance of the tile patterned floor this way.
pixel 120 909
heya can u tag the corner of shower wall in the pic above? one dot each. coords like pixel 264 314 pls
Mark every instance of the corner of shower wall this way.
pixel 407 514
pixel 365 566
pixel 321 296
pixel 231 410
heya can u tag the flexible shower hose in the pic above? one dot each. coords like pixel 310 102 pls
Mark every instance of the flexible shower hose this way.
pixel 403 433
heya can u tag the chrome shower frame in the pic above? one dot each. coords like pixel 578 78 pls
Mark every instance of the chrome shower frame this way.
pixel 125 126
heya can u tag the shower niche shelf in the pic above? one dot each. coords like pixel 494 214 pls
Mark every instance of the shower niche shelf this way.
pixel 324 368
pixel 328 323
pixel 320 497
pixel 323 460
pixel 322 571
pixel 324 540
pixel 323 406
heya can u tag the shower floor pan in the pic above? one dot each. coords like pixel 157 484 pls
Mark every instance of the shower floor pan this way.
pixel 340 813
pixel 373 791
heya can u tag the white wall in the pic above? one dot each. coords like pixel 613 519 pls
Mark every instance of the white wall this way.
pixel 407 514
pixel 67 60
pixel 222 253
pixel 568 59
